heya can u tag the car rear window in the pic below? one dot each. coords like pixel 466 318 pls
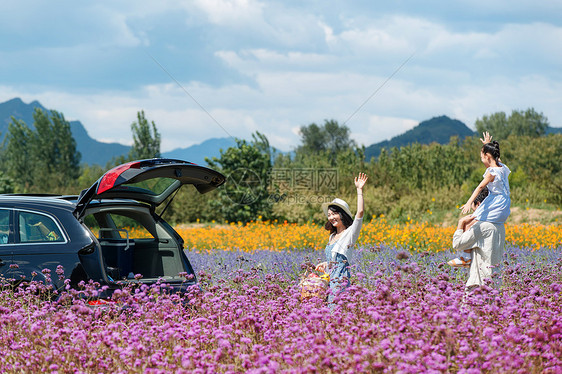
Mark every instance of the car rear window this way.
pixel 152 186
pixel 38 228
pixel 115 225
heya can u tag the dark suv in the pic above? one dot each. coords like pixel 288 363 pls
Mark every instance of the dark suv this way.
pixel 110 233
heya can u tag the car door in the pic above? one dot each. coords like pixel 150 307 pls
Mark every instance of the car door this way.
pixel 40 243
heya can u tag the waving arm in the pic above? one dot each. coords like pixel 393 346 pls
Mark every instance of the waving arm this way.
pixel 359 183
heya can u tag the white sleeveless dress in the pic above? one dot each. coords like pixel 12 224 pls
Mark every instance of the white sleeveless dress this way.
pixel 496 206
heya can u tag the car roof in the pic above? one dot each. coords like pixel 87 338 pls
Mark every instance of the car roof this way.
pixel 34 201
pixel 67 202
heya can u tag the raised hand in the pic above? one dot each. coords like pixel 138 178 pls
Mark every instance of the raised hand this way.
pixel 361 180
pixel 487 137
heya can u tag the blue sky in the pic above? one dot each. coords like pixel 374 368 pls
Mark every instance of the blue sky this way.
pixel 217 68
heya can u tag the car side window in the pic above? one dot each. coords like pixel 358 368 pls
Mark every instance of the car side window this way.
pixel 4 226
pixel 38 228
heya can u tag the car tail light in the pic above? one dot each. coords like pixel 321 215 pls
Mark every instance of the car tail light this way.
pixel 98 302
pixel 108 180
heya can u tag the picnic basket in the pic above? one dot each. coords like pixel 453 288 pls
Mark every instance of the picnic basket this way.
pixel 314 285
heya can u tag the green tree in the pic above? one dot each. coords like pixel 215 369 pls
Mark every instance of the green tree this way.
pixel 338 139
pixel 6 184
pixel 56 159
pixel 538 160
pixel 329 139
pixel 528 123
pixel 495 123
pixel 313 139
pixel 16 158
pixel 521 123
pixel 44 158
pixel 146 139
pixel 247 167
pixel 90 174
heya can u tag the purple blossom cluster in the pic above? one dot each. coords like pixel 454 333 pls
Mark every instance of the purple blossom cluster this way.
pixel 402 313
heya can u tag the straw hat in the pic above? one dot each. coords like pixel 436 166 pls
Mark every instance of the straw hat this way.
pixel 337 202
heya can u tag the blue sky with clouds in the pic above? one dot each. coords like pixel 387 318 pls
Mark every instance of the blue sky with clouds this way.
pixel 218 68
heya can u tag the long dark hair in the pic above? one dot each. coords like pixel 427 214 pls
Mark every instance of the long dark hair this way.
pixel 493 149
pixel 345 219
pixel 481 196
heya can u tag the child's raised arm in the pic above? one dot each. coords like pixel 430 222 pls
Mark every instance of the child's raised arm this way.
pixel 487 179
pixel 487 137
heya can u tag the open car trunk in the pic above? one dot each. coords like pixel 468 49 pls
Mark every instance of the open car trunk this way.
pixel 137 247
pixel 136 244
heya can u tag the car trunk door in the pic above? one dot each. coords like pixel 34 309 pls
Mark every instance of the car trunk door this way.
pixel 150 181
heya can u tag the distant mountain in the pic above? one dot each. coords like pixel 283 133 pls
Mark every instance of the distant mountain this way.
pixel 92 151
pixel 19 110
pixel 438 129
pixel 96 152
pixel 196 153
pixel 554 130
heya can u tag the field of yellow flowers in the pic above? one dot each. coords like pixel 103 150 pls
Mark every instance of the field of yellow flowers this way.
pixel 412 236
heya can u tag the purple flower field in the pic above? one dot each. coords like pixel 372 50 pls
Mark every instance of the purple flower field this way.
pixel 403 313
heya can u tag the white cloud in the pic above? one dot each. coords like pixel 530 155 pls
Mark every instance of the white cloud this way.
pixel 383 128
pixel 393 35
pixel 230 12
pixel 252 62
pixel 505 95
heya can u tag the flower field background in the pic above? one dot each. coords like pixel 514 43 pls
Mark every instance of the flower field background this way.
pixel 414 237
pixel 404 312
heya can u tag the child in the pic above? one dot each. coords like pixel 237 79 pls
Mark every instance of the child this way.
pixel 495 207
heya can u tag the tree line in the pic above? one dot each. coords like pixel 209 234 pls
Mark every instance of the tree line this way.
pixel 42 157
pixel 411 182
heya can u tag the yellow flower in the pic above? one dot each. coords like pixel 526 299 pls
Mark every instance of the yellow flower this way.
pixel 257 235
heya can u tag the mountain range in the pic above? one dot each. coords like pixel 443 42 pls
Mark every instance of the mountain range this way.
pixel 96 152
pixel 93 151
pixel 438 129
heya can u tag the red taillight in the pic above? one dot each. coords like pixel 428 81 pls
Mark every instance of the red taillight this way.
pixel 108 180
pixel 98 302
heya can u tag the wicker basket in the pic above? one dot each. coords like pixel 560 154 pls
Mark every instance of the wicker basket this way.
pixel 313 285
